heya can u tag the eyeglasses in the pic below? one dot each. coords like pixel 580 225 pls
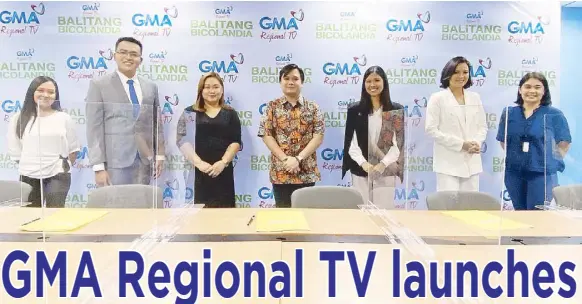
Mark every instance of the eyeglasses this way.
pixel 130 54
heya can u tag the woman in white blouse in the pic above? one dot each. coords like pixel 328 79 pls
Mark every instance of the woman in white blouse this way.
pixel 374 140
pixel 42 139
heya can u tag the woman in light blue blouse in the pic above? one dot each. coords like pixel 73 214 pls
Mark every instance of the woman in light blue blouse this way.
pixel 536 140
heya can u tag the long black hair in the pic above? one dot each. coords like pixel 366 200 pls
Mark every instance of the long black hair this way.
pixel 366 99
pixel 29 108
pixel 546 99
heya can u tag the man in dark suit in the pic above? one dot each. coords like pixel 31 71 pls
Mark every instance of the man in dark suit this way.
pixel 124 133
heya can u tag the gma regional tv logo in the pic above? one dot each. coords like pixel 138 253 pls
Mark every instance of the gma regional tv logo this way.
pixel 266 197
pixel 407 30
pixel 527 32
pixel 343 73
pixel 86 67
pixel 227 69
pixel 156 23
pixel 158 57
pixel 413 112
pixel 21 22
pixel 409 197
pixel 478 72
pixel 281 28
pixel 9 107
pixel 332 159
pixel 173 193
pixel 169 104
pixel 91 9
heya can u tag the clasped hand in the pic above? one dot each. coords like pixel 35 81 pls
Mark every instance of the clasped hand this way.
pixel 472 147
pixel 212 170
pixel 380 169
pixel 291 165
pixel 374 170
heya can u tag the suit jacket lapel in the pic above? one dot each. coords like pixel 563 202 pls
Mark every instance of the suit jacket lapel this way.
pixel 119 89
pixel 145 96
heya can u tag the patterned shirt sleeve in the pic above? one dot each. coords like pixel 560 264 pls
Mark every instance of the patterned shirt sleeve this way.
pixel 318 121
pixel 266 124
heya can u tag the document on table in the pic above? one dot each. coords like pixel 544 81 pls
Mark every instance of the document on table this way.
pixel 276 220
pixel 63 220
pixel 486 221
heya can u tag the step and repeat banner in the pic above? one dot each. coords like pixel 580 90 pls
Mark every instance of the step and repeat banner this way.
pixel 248 42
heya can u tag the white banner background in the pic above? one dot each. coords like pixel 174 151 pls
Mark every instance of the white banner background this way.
pixel 334 42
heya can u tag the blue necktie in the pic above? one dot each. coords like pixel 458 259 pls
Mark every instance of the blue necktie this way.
pixel 133 97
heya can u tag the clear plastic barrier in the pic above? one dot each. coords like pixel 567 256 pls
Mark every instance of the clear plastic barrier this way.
pixel 31 154
pixel 14 192
pixel 210 147
pixel 118 160
pixel 563 178
pixel 448 192
pixel 462 190
pixel 540 176
pixel 537 143
pixel 186 143
pixel 386 159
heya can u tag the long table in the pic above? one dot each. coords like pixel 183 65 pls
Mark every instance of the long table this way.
pixel 326 225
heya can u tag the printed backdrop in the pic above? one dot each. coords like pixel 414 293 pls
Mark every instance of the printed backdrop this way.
pixel 247 43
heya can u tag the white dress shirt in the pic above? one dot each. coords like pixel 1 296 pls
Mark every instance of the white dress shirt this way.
pixel 136 85
pixel 138 92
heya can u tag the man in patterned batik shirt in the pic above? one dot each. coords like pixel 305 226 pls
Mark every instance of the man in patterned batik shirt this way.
pixel 292 127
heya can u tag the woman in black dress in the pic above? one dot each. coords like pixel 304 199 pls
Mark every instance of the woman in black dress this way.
pixel 209 136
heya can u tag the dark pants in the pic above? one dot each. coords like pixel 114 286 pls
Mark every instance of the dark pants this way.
pixel 55 190
pixel 528 189
pixel 282 193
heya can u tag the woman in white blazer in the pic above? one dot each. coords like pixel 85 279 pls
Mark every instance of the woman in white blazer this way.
pixel 455 119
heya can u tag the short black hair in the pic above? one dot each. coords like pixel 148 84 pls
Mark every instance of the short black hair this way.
pixel 546 99
pixel 129 39
pixel 290 67
pixel 450 69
